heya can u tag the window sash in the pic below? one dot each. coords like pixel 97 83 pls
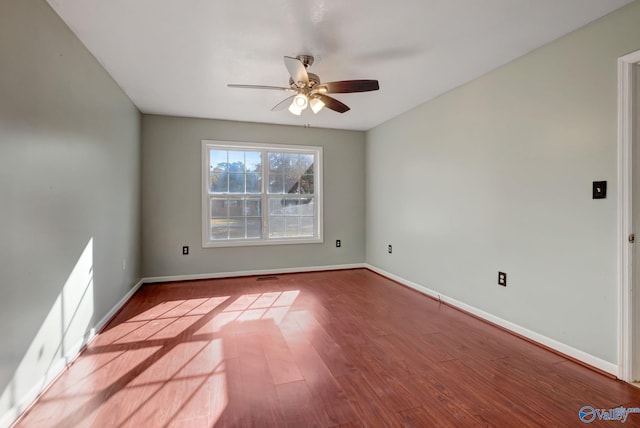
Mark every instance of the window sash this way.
pixel 298 220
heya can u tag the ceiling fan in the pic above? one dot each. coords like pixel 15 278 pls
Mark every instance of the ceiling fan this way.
pixel 309 91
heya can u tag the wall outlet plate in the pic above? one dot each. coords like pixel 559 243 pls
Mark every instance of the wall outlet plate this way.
pixel 185 250
pixel 338 243
pixel 390 249
pixel 502 279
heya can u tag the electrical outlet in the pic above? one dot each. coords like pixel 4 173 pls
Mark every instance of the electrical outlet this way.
pixel 502 279
pixel 338 243
pixel 390 249
pixel 185 250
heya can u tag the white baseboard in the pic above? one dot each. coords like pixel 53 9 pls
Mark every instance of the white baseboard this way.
pixel 170 278
pixel 60 364
pixel 579 355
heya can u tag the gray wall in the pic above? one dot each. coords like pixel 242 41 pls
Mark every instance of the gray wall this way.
pixel 70 192
pixel 496 175
pixel 172 198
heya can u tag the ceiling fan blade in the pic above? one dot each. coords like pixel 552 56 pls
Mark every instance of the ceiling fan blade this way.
pixel 283 104
pixel 333 104
pixel 297 70
pixel 347 86
pixel 278 88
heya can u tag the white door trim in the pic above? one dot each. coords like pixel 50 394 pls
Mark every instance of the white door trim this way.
pixel 625 214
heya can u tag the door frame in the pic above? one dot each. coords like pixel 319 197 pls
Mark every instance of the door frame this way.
pixel 628 291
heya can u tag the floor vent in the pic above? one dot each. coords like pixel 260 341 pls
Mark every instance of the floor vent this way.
pixel 267 278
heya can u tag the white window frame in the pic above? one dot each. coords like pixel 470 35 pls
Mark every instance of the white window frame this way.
pixel 207 242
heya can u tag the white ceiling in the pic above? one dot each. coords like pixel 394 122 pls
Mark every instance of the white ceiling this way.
pixel 175 57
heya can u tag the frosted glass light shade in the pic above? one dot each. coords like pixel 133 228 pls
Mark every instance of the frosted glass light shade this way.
pixel 301 101
pixel 316 104
pixel 293 108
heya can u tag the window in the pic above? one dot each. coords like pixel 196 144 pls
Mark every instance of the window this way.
pixel 259 194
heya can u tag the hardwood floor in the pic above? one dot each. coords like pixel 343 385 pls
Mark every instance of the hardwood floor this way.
pixel 344 348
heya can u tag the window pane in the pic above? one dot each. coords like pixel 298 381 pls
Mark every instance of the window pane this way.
pixel 276 207
pixel 291 163
pixel 219 183
pixel 275 162
pixel 236 161
pixel 307 226
pixel 236 183
pixel 291 207
pixel 276 227
pixel 236 228
pixel 306 184
pixel 253 207
pixel 276 184
pixel 292 226
pixel 218 160
pixel 253 161
pixel 254 183
pixel 307 207
pixel 235 207
pixel 219 229
pixel 291 183
pixel 254 227
pixel 218 208
pixel 306 164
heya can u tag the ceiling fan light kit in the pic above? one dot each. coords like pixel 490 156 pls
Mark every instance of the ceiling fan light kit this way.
pixel 301 102
pixel 309 91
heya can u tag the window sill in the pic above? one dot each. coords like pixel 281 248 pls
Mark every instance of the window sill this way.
pixel 260 243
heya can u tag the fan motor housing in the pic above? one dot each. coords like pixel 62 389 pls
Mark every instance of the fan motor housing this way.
pixel 313 81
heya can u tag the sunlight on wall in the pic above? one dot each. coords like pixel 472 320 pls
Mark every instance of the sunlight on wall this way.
pixel 60 337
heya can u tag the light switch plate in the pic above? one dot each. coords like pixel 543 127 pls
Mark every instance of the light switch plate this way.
pixel 599 189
